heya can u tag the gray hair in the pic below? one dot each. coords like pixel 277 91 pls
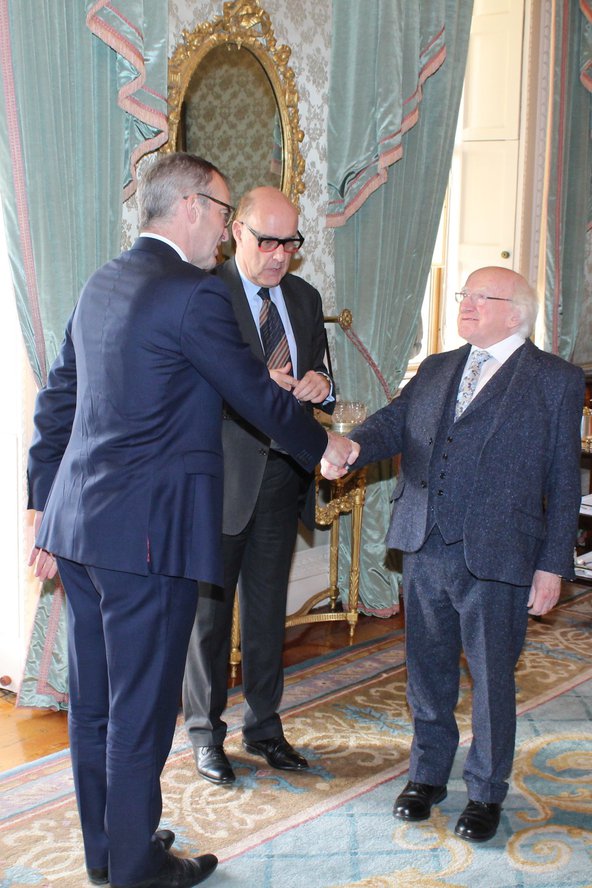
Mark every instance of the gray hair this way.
pixel 525 299
pixel 170 177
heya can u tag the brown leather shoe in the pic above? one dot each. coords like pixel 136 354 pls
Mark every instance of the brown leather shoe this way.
pixel 213 765
pixel 179 872
pixel 479 821
pixel 278 753
pixel 416 800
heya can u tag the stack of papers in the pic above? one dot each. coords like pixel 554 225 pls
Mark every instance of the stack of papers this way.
pixel 586 505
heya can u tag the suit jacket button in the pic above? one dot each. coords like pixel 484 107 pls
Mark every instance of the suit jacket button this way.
pixel 449 439
pixel 440 493
pixel 442 474
pixel 430 440
pixel 424 484
pixel 262 451
pixel 444 456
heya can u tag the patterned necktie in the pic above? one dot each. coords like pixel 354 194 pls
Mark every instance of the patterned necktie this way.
pixel 469 381
pixel 273 335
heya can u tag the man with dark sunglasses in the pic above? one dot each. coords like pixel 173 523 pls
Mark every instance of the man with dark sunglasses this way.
pixel 281 318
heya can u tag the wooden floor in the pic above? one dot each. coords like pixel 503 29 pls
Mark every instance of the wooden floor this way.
pixel 28 734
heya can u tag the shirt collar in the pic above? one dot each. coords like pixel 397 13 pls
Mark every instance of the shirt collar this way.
pixel 503 349
pixel 165 240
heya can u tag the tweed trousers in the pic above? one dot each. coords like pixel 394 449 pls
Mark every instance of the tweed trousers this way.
pixel 448 610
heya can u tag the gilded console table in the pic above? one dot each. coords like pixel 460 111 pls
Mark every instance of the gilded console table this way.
pixel 346 495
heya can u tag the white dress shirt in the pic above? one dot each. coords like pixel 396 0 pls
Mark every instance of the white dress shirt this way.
pixel 500 352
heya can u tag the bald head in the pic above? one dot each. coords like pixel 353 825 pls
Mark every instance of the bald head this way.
pixel 267 212
pixel 510 306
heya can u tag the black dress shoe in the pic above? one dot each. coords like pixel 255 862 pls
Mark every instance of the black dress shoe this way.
pixel 213 765
pixel 179 872
pixel 278 753
pixel 166 837
pixel 479 821
pixel 416 800
pixel 99 875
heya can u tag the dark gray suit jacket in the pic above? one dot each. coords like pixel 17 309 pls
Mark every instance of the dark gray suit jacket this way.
pixel 245 447
pixel 523 496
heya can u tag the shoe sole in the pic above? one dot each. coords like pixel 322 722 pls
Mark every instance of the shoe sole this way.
pixel 475 839
pixel 217 781
pixel 400 815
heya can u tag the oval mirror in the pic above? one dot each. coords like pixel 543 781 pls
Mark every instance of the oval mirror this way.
pixel 232 100
pixel 230 115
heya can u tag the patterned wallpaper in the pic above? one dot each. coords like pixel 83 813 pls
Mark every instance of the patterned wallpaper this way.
pixel 231 118
pixel 305 27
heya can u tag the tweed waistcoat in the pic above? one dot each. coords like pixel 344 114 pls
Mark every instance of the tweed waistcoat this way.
pixel 456 453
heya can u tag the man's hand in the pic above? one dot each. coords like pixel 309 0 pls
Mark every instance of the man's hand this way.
pixel 544 592
pixel 281 375
pixel 45 563
pixel 339 456
pixel 312 387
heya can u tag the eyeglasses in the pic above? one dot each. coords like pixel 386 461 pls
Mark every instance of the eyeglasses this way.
pixel 228 210
pixel 478 298
pixel 268 244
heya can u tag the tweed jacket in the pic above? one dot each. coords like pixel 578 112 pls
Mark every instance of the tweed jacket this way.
pixel 522 495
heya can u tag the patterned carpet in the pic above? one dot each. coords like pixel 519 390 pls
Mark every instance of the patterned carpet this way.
pixel 333 826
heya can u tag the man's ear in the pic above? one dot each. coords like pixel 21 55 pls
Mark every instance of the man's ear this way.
pixel 237 230
pixel 514 319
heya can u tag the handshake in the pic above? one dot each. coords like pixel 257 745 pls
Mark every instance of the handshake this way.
pixel 339 456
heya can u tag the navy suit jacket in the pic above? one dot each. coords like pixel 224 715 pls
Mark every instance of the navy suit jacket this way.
pixel 126 459
pixel 246 447
pixel 523 496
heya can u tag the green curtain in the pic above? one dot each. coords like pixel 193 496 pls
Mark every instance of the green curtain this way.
pixel 397 72
pixel 569 177
pixel 68 147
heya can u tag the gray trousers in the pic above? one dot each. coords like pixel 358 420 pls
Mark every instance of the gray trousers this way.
pixel 261 556
pixel 447 610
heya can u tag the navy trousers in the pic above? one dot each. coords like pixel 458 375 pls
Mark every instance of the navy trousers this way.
pixel 447 610
pixel 127 640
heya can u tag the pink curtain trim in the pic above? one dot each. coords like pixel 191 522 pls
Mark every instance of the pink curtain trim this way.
pixel 387 157
pixel 42 685
pixel 20 188
pixel 127 100
pixel 586 72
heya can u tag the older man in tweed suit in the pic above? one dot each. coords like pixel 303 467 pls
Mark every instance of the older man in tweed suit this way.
pixel 485 510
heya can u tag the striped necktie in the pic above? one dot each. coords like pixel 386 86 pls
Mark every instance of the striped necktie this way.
pixel 469 381
pixel 273 335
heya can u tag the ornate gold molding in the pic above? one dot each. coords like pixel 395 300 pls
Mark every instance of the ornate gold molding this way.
pixel 243 23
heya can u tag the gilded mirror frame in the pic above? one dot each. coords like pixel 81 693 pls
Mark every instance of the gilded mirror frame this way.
pixel 243 23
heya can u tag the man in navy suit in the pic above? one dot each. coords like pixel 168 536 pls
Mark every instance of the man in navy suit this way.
pixel 485 509
pixel 126 466
pixel 264 491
